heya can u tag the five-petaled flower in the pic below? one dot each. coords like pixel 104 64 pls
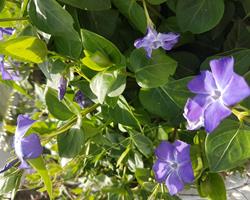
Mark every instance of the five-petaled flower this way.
pixel 154 40
pixel 173 165
pixel 62 87
pixel 26 147
pixel 216 92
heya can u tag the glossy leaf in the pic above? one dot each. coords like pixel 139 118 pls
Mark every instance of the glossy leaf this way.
pixel 199 16
pixel 133 12
pixel 121 113
pixel 47 16
pixel 212 187
pixel 70 144
pixel 154 72
pixel 94 43
pixel 142 142
pixel 55 107
pixel 108 83
pixel 168 100
pixel 39 165
pixel 228 146
pixel 25 48
pixel 238 37
pixel 89 4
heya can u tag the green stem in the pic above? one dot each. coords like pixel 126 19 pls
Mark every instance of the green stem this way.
pixel 82 74
pixel 73 120
pixel 129 74
pixel 149 21
pixel 13 19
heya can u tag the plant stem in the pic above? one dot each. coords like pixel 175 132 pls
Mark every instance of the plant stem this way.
pixel 73 120
pixel 149 21
pixel 13 19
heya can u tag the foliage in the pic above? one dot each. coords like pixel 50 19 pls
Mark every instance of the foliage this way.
pixel 106 150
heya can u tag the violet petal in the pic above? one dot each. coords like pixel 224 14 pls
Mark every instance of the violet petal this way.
pixel 222 70
pixel 161 170
pixel 174 183
pixel 236 90
pixel 214 114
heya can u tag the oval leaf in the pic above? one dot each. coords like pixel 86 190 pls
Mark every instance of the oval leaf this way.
pixel 199 16
pixel 55 107
pixel 228 146
pixel 25 48
pixel 154 72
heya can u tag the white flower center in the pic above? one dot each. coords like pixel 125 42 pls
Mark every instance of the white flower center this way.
pixel 216 94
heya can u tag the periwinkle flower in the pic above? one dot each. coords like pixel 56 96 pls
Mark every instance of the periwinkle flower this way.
pixel 216 92
pixel 5 68
pixel 173 165
pixel 26 147
pixel 7 72
pixel 80 99
pixel 153 40
pixel 7 31
pixel 62 87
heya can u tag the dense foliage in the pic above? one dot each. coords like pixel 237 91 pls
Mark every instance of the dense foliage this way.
pixel 112 91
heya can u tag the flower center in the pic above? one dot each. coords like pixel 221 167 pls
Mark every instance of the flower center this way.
pixel 174 165
pixel 216 94
pixel 156 44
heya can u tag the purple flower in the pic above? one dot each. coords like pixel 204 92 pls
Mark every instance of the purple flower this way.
pixel 7 72
pixel 9 165
pixel 216 92
pixel 154 40
pixel 8 31
pixel 62 87
pixel 173 165
pixel 80 99
pixel 26 147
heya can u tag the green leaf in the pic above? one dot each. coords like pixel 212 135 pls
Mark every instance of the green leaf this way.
pixel 39 165
pixel 94 43
pixel 121 113
pixel 25 48
pixel 154 72
pixel 238 37
pixel 142 142
pixel 212 187
pixel 133 12
pixel 156 2
pixel 108 83
pixel 96 61
pixel 2 4
pixel 102 22
pixel 168 100
pixel 228 146
pixel 241 58
pixel 70 144
pixel 199 16
pixel 142 175
pixel 10 181
pixel 89 4
pixel 50 17
pixel 10 10
pixel 55 107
